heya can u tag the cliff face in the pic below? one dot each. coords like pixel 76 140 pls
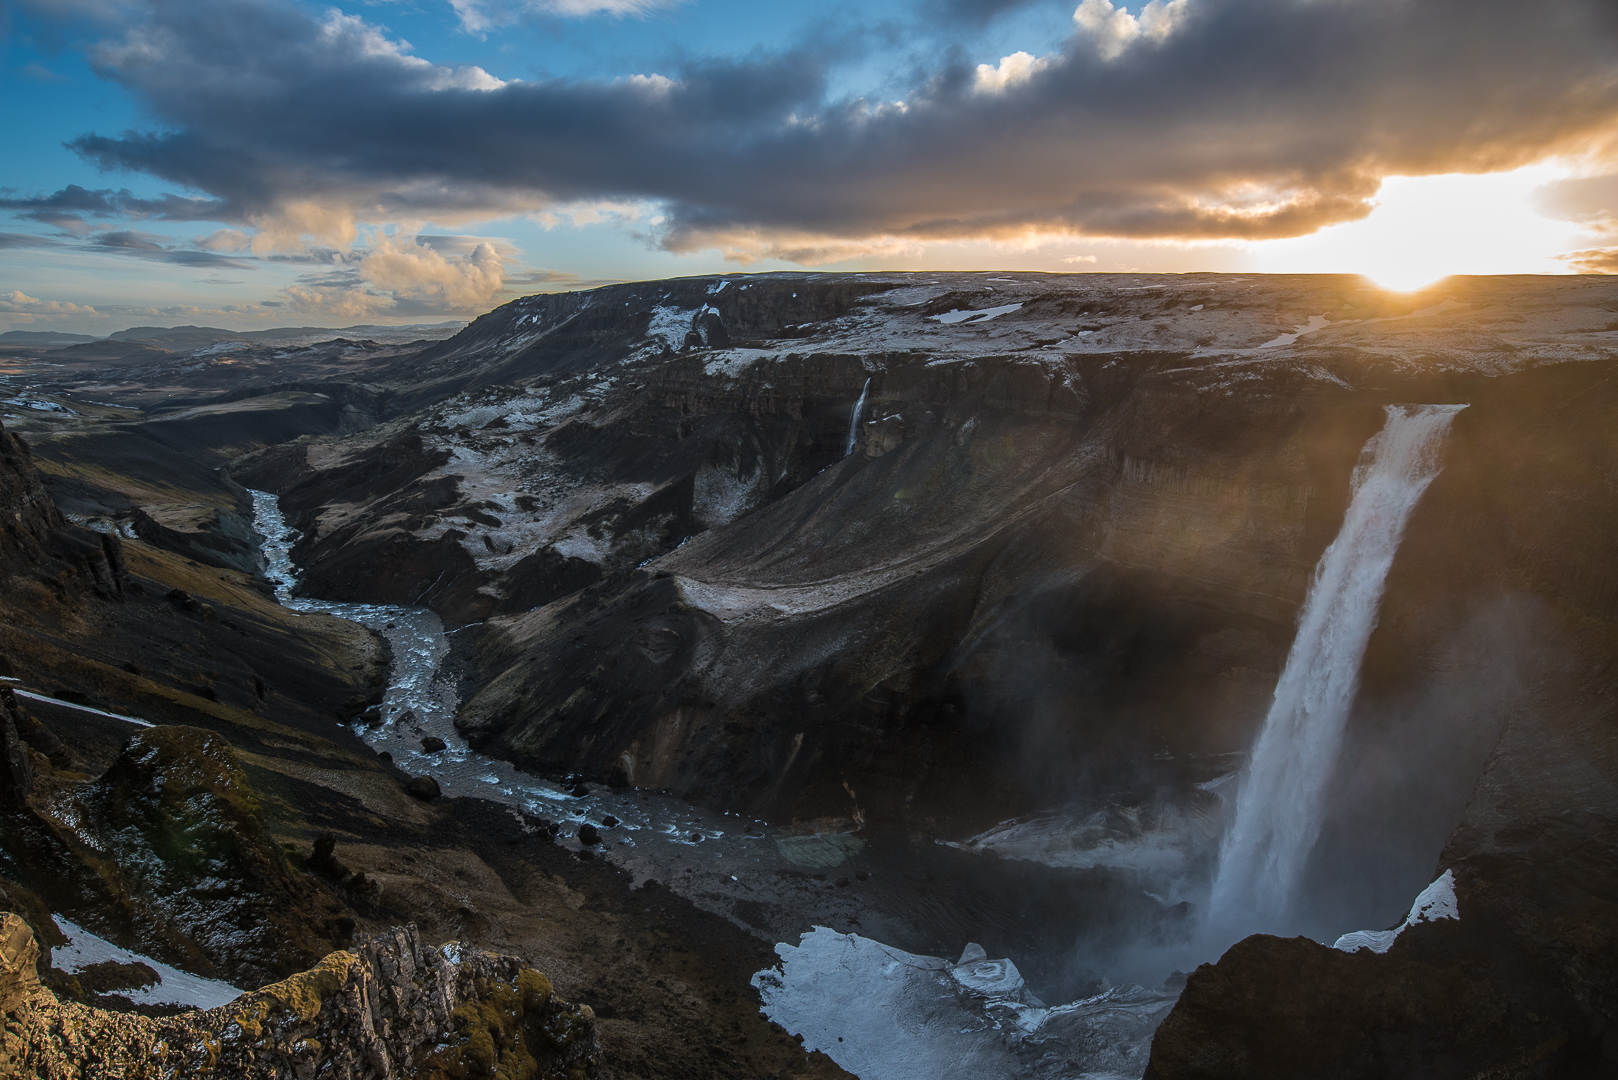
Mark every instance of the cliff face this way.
pixel 389 1007
pixel 1062 564
pixel 37 541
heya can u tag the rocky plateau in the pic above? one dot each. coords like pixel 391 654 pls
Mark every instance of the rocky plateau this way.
pixel 985 580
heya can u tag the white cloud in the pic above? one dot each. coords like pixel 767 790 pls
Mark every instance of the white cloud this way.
pixel 17 302
pixel 420 275
pixel 1114 29
pixel 479 15
pixel 654 84
pixel 1080 259
pixel 1019 67
pixel 352 33
pixel 224 240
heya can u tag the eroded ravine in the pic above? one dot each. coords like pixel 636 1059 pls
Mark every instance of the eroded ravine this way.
pixel 837 895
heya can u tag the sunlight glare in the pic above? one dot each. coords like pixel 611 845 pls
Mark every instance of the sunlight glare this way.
pixel 1427 227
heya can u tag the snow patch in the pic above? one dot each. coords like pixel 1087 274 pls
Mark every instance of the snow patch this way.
pixel 954 315
pixel 1437 901
pixel 174 987
pixel 669 325
pixel 1316 322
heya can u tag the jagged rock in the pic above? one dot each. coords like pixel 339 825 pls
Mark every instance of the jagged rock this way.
pixel 36 539
pixel 19 958
pixel 389 1007
pixel 16 768
pixel 167 853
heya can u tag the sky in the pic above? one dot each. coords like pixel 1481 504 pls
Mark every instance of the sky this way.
pixel 256 163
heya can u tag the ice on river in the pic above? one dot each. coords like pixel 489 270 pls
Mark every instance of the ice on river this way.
pixel 887 1014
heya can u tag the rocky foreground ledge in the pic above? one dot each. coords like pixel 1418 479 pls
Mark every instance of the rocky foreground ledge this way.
pixel 388 1007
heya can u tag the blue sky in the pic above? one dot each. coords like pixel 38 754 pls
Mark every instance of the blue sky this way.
pixel 268 162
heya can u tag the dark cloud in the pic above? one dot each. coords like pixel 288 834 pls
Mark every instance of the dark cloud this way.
pixel 1221 119
pixel 975 13
pixel 16 240
pixel 74 201
pixel 147 246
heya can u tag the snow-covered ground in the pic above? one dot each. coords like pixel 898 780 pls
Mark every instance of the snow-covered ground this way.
pixel 174 987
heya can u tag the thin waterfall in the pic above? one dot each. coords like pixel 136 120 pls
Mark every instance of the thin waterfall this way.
pixel 1280 805
pixel 854 421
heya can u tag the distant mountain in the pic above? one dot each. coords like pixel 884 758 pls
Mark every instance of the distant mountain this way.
pixel 46 338
pixel 186 338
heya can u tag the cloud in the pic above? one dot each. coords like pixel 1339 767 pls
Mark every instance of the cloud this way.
pixel 413 276
pixel 17 302
pixel 421 278
pixel 16 240
pixel 479 15
pixel 1593 260
pixel 1188 120
pixel 149 246
pixel 40 73
pixel 973 13
pixel 69 208
pixel 1019 67
pixel 1113 29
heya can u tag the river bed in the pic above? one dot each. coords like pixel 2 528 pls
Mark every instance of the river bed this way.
pixel 833 901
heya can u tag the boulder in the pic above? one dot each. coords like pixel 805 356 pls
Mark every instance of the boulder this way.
pixel 424 788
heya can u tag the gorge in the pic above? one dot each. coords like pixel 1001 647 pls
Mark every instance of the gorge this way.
pixel 776 640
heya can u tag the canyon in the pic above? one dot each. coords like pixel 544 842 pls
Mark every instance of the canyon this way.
pixel 885 616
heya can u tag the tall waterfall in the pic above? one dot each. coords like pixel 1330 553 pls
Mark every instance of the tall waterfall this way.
pixel 1280 806
pixel 854 421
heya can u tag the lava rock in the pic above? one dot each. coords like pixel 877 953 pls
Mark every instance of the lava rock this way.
pixel 433 744
pixel 609 821
pixel 589 834
pixel 424 788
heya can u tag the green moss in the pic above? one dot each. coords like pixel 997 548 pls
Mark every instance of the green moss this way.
pixel 489 1039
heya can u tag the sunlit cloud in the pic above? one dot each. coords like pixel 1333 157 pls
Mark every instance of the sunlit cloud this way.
pixel 1019 67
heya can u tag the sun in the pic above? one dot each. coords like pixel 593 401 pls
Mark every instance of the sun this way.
pixel 1428 227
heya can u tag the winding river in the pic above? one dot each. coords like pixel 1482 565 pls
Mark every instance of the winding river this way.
pixel 881 1011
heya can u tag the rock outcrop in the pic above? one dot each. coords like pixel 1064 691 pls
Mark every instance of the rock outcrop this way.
pixel 168 853
pixel 390 1007
pixel 38 542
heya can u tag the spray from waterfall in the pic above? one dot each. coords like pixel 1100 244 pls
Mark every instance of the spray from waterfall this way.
pixel 854 421
pixel 1279 809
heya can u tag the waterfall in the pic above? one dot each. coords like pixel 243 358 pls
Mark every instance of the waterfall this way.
pixel 1280 805
pixel 854 421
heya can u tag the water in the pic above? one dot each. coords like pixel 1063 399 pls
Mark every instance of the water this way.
pixel 854 421
pixel 799 883
pixel 1280 805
